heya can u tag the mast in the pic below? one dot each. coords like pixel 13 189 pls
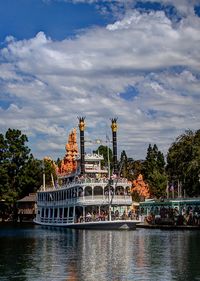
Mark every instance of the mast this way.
pixel 114 140
pixel 82 143
pixel 44 180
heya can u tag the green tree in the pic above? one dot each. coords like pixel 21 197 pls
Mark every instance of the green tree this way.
pixel 137 168
pixel 4 180
pixel 106 152
pixel 183 162
pixel 13 156
pixel 49 170
pixel 30 177
pixel 123 164
pixel 154 171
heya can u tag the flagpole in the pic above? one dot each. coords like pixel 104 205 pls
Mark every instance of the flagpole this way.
pixel 167 190
pixel 44 180
pixel 173 190
pixel 52 181
pixel 108 156
pixel 178 189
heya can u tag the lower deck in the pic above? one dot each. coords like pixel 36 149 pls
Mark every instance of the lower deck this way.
pixel 82 214
pixel 100 225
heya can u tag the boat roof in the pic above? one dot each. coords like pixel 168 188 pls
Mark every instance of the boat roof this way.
pixel 93 156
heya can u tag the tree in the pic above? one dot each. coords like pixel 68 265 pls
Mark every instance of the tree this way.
pixel 154 171
pixel 30 177
pixel 123 164
pixel 106 152
pixel 183 162
pixel 13 156
pixel 4 180
pixel 49 168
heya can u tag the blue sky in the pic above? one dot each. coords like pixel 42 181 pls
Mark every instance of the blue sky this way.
pixel 137 60
pixel 57 19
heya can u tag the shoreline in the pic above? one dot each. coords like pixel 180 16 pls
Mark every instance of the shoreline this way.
pixel 138 225
pixel 168 227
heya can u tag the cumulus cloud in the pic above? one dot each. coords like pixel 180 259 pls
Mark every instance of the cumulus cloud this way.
pixel 50 82
pixel 184 7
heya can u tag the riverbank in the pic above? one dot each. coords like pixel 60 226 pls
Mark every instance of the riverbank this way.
pixel 168 227
pixel 138 225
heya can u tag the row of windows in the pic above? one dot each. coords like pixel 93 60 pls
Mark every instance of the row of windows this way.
pixel 79 192
pixel 56 213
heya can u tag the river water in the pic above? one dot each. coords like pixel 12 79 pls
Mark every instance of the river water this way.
pixel 33 253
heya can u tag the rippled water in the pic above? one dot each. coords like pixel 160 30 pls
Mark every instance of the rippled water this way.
pixel 33 253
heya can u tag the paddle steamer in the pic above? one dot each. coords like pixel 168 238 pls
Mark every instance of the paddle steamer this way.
pixel 89 198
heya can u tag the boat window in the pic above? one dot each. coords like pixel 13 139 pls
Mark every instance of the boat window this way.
pixel 51 213
pixel 60 212
pixel 106 190
pixel 88 191
pixel 71 212
pixel 127 190
pixel 98 190
pixel 47 213
pixel 55 213
pixel 64 195
pixel 80 191
pixel 65 212
pixel 119 190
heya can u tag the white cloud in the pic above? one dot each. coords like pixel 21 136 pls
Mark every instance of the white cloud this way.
pixel 184 7
pixel 50 83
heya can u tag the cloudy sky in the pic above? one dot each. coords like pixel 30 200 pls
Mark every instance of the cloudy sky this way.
pixel 135 60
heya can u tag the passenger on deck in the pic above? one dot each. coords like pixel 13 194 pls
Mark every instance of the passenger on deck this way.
pixel 88 217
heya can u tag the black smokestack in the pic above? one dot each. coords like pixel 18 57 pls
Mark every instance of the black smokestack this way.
pixel 114 140
pixel 82 143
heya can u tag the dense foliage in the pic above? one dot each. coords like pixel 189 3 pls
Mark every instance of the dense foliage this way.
pixel 14 155
pixel 20 172
pixel 154 171
pixel 152 168
pixel 107 155
pixel 183 162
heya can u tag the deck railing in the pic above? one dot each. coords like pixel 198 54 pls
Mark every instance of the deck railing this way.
pixel 84 219
pixel 84 200
pixel 57 220
pixel 90 181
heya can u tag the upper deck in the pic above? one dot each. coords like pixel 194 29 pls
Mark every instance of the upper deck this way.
pixel 88 191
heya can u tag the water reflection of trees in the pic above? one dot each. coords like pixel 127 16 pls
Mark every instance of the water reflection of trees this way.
pixel 78 255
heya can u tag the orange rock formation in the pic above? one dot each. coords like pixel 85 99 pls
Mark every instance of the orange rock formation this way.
pixel 69 164
pixel 141 187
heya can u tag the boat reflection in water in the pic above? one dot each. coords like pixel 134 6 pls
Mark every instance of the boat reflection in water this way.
pixel 32 254
pixel 138 255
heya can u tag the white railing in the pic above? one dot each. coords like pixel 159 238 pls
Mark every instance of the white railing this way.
pixel 90 181
pixel 95 199
pixel 57 220
pixel 60 221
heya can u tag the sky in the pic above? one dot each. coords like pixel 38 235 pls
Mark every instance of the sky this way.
pixel 138 61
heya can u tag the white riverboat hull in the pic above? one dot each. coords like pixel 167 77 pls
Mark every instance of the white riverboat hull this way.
pixel 99 225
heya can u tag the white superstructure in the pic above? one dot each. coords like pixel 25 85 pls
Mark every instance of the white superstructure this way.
pixel 89 201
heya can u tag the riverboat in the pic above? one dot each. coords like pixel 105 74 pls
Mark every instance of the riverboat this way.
pixel 90 198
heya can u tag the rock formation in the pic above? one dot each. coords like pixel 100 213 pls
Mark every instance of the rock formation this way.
pixel 69 164
pixel 141 187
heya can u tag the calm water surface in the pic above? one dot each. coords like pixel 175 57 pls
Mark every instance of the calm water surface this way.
pixel 33 253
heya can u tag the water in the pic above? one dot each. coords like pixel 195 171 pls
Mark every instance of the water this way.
pixel 33 253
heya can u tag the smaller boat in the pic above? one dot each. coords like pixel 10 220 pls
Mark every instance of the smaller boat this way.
pixel 88 199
